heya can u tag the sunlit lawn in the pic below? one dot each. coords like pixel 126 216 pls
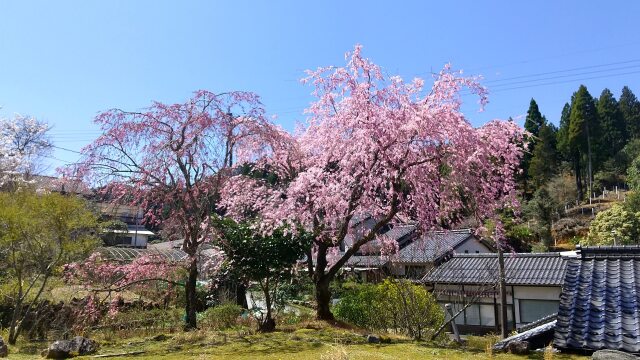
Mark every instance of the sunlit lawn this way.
pixel 304 343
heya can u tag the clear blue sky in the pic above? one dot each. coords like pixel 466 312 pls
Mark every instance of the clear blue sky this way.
pixel 65 61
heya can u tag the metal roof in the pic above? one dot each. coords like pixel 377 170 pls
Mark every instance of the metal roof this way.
pixel 128 254
pixel 432 246
pixel 539 269
pixel 599 305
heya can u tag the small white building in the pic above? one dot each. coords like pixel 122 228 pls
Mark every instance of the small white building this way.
pixel 136 236
pixel 534 283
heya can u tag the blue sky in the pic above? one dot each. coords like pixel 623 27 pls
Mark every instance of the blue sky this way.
pixel 65 61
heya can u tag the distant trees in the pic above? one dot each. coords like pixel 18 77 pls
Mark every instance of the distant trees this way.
pixel 544 160
pixel 596 143
pixel 613 134
pixel 532 125
pixel 630 109
pixel 583 129
pixel 23 141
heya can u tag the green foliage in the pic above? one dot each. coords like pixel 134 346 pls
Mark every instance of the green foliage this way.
pixel 632 202
pixel 38 234
pixel 362 307
pixel 615 225
pixel 265 259
pixel 393 304
pixel 256 256
pixel 541 209
pixel 562 189
pixel 534 119
pixel 539 247
pixel 224 316
pixel 562 136
pixel 534 124
pixel 582 120
pixel 545 157
pixel 630 109
pixel 633 174
pixel 613 133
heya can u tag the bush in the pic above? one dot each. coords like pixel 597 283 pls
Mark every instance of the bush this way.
pixel 394 304
pixel 221 317
pixel 360 306
pixel 616 226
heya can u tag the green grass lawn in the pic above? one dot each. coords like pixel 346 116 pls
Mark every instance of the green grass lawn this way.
pixel 321 342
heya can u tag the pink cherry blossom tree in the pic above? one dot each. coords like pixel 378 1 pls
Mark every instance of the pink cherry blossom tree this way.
pixel 380 146
pixel 171 160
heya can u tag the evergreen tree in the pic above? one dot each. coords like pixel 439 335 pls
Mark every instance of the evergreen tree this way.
pixel 532 124
pixel 583 130
pixel 612 125
pixel 630 109
pixel 545 156
pixel 534 119
pixel 562 136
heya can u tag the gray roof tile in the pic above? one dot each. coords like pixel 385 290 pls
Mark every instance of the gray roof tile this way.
pixel 600 300
pixel 432 246
pixel 520 269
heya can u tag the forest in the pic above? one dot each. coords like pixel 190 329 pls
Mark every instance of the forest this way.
pixel 574 177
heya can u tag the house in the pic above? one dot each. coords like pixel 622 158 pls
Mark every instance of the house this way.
pixel 421 254
pixel 533 280
pixel 135 236
pixel 131 232
pixel 417 253
pixel 600 301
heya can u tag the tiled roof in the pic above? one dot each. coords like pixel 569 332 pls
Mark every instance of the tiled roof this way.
pixel 520 269
pixel 432 246
pixel 400 231
pixel 542 329
pixel 368 261
pixel 128 254
pixel 426 249
pixel 600 300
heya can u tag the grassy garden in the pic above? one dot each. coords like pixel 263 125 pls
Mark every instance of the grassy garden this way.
pixel 306 339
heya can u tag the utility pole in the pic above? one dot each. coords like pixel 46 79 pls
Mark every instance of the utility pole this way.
pixel 503 290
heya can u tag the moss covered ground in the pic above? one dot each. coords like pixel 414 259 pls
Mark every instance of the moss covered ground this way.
pixel 310 341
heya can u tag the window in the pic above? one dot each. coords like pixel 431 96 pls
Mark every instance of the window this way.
pixel 479 315
pixel 487 315
pixel 532 310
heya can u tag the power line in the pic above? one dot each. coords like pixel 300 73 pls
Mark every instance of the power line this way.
pixel 563 71
pixel 568 81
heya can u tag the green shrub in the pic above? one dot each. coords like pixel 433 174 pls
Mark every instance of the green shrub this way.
pixel 221 317
pixel 394 304
pixel 614 226
pixel 359 305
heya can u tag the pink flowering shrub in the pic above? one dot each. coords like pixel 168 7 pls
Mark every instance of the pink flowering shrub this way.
pixel 150 276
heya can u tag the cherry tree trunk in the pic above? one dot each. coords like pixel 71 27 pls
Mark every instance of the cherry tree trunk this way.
pixel 191 297
pixel 323 298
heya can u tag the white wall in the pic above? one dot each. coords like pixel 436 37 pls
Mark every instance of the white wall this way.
pixel 517 293
pixel 472 246
pixel 549 293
